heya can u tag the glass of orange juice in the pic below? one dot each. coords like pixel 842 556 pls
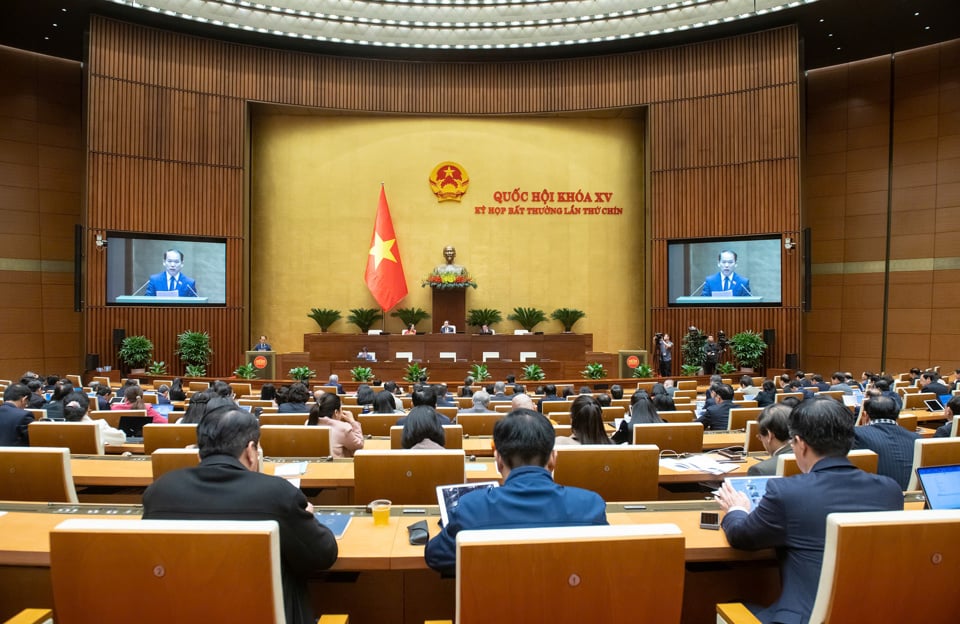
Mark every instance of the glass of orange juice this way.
pixel 381 512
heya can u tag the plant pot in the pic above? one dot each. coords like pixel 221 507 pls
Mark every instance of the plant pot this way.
pixel 746 369
pixel 137 371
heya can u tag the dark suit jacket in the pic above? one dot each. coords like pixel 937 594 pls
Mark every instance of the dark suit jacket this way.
pixel 528 498
pixel 739 285
pixel 768 467
pixel 766 398
pixel 13 425
pixel 221 488
pixel 717 416
pixel 893 444
pixel 791 517
pixel 186 287
pixel 936 387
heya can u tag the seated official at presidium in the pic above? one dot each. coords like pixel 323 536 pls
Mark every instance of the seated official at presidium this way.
pixel 726 282
pixel 523 449
pixel 171 280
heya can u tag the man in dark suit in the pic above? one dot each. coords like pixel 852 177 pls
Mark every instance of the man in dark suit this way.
pixel 880 432
pixel 227 485
pixel 549 394
pixel 717 416
pixel 774 433
pixel 171 279
pixel 14 418
pixel 930 382
pixel 951 409
pixel 499 392
pixel 529 497
pixel 726 280
pixel 791 516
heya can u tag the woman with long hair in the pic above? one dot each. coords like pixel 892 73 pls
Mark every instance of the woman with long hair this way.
pixel 346 436
pixel 586 422
pixel 133 400
pixel 642 412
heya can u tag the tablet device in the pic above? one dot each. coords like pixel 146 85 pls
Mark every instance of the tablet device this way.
pixel 941 486
pixel 753 487
pixel 933 405
pixel 448 496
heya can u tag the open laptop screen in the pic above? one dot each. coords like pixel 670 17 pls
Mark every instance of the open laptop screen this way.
pixel 941 486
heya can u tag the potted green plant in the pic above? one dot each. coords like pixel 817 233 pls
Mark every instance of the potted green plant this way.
pixel 410 316
pixel 478 317
pixel 302 373
pixel 479 372
pixel 594 370
pixel 364 318
pixel 567 317
pixel 194 349
pixel 692 348
pixel 157 368
pixel 689 370
pixel 726 368
pixel 363 374
pixel 532 372
pixel 325 317
pixel 414 372
pixel 643 371
pixel 245 371
pixel 136 352
pixel 748 347
pixel 527 318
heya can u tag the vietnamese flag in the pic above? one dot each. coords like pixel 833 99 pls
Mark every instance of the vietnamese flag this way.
pixel 384 274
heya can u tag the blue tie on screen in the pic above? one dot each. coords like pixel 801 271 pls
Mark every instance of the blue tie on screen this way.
pixel 726 283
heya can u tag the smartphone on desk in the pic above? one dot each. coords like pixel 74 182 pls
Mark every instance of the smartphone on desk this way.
pixel 710 520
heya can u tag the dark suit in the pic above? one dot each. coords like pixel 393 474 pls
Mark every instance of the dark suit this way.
pixel 936 387
pixel 528 498
pixel 791 517
pixel 739 285
pixel 768 467
pixel 764 398
pixel 36 401
pixel 893 444
pixel 13 425
pixel 186 287
pixel 717 416
pixel 221 488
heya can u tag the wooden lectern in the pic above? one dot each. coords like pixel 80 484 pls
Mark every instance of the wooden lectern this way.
pixel 449 304
pixel 264 363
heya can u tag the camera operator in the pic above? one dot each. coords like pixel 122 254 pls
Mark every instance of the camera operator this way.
pixel 711 354
pixel 664 349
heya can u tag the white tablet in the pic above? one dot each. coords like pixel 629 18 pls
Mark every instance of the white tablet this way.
pixel 448 496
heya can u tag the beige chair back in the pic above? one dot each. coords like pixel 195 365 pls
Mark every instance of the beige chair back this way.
pixel 740 416
pixel 405 477
pixel 113 416
pixel 452 437
pixel 34 473
pixel 164 460
pixel 676 437
pixel 479 424
pixel 81 438
pixel 615 472
pixel 295 441
pixel 158 436
pixel 284 419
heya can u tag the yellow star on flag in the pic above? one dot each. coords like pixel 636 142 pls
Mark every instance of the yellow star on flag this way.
pixel 382 249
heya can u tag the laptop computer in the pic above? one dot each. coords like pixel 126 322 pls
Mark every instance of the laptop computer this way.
pixel 133 427
pixel 448 496
pixel 164 408
pixel 941 486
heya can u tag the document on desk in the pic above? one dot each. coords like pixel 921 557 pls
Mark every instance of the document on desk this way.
pixel 291 472
pixel 699 463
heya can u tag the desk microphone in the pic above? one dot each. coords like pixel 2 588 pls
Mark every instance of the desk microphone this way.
pixel 743 286
pixel 191 289
pixel 699 288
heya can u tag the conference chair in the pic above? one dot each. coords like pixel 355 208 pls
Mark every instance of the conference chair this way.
pixel 479 424
pixel 864 459
pixel 745 403
pixel 612 413
pixel 255 403
pixel 571 575
pixel 81 438
pixel 687 384
pixel 910 561
pixel 502 408
pixel 34 473
pixel 554 408
pixel 157 436
pixel 349 401
pixel 449 412
pixel 685 395
pixel 624 403
pixel 377 424
pixel 241 389
pixel 908 422
pixel 327 389
pixel 617 473
pixel 677 416
pixel 780 396
pixel 164 460
pixel 452 437
pixel 113 416
pixel 405 477
pixel 198 386
pixel 295 441
pixel 751 442
pixel 164 564
pixel 740 416
pixel 38 414
pixel 676 437
pixel 103 381
pixel 299 418
pixel 647 386
pixel 916 400
pixel 833 394
pixel 932 452
pixel 562 430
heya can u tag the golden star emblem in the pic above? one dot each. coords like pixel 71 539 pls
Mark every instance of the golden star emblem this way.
pixel 382 249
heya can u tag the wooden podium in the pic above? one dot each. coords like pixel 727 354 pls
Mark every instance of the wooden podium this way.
pixel 264 363
pixel 449 304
